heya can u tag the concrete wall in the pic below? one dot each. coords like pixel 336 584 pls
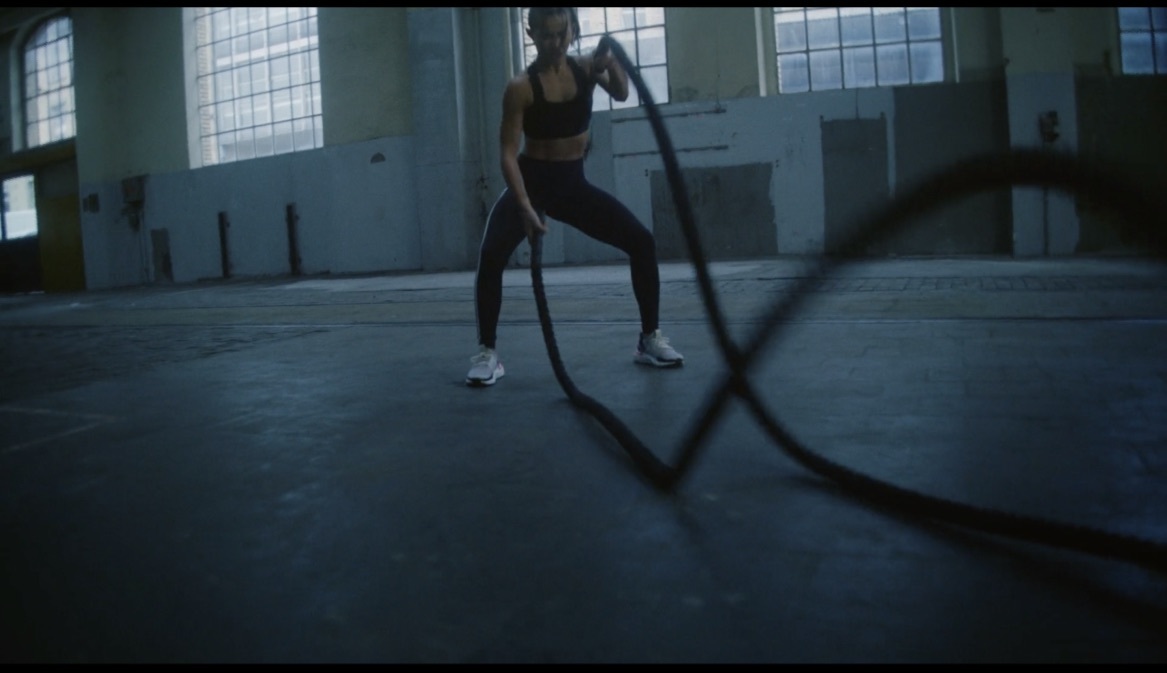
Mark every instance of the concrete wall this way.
pixel 131 92
pixel 364 73
pixel 410 167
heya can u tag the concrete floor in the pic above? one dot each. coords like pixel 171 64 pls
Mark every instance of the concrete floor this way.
pixel 292 470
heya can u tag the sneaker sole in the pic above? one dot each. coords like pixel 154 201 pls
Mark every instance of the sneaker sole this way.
pixel 482 383
pixel 651 361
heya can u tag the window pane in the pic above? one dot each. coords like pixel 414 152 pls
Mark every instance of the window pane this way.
pixel 243 114
pixel 591 19
pixel 826 70
pixel 258 77
pixel 222 54
pixel 889 24
pixel 227 147
pixel 790 31
pixel 618 18
pixel 224 87
pixel 822 28
pixel 258 45
pixel 892 64
pixel 301 35
pixel 222 26
pixel 245 144
pixel 652 46
pixel 927 63
pixel 924 23
pixel 657 81
pixel 859 67
pixel 298 64
pixel 602 101
pixel 1161 53
pixel 856 25
pixel 281 105
pixel 282 138
pixel 262 108
pixel 1137 57
pixel 588 44
pixel 1159 18
pixel 650 16
pixel 792 74
pixel 20 207
pixel 239 50
pixel 280 77
pixel 242 81
pixel 278 41
pixel 1134 18
pixel 238 21
pixel 258 19
pixel 301 101
pixel 264 145
pixel 225 116
pixel 303 137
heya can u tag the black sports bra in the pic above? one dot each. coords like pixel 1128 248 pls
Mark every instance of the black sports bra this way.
pixel 565 119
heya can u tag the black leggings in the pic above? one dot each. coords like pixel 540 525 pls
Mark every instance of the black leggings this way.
pixel 559 189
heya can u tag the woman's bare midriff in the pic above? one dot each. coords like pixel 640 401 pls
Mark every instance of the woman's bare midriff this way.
pixel 557 149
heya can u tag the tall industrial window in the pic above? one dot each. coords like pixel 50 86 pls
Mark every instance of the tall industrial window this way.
pixel 823 48
pixel 1142 33
pixel 258 82
pixel 639 30
pixel 50 113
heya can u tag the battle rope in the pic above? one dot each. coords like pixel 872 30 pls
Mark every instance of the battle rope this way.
pixel 1019 168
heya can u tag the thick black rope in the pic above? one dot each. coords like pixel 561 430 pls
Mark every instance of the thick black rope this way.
pixel 1140 216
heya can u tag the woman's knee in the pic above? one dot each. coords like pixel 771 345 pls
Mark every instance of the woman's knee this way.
pixel 642 243
pixel 491 262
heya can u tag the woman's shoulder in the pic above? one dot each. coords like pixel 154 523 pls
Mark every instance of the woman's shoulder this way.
pixel 518 89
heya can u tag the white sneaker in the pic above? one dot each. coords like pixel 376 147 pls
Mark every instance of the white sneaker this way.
pixel 654 349
pixel 486 370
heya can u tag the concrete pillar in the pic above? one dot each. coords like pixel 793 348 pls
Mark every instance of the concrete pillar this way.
pixel 446 114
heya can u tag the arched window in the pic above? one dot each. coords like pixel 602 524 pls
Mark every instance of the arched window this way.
pixel 50 113
pixel 258 82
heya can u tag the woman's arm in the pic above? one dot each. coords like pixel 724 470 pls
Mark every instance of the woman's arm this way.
pixel 606 70
pixel 515 100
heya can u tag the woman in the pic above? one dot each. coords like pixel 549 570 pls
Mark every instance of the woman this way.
pixel 549 108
